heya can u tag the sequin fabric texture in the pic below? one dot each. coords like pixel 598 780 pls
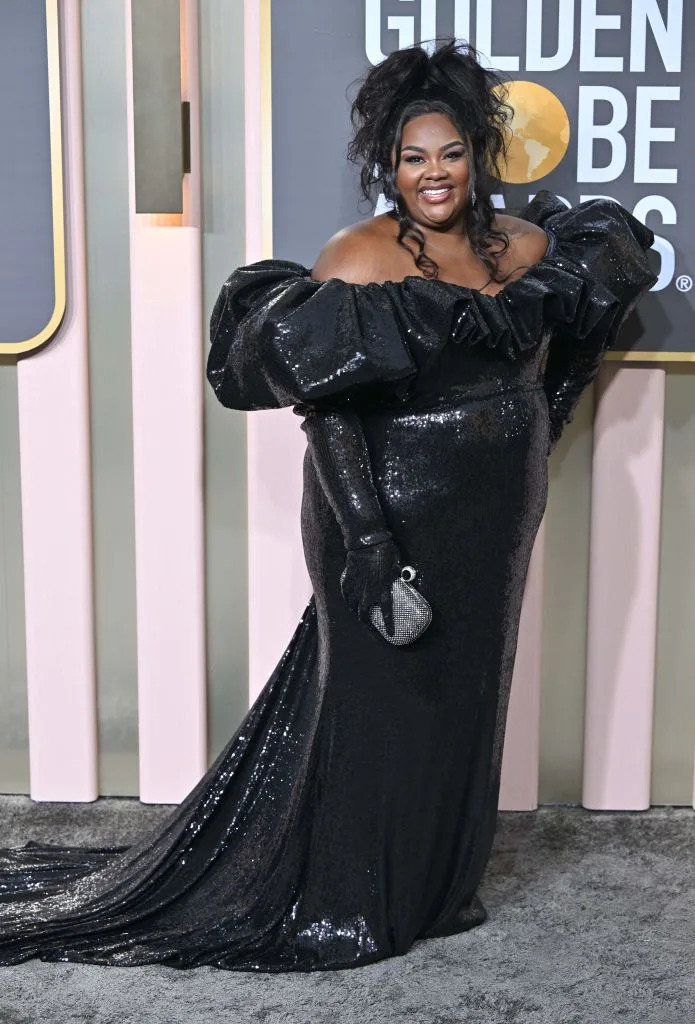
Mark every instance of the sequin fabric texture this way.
pixel 354 810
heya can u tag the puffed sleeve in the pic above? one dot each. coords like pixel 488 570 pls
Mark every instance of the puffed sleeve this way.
pixel 593 277
pixel 281 338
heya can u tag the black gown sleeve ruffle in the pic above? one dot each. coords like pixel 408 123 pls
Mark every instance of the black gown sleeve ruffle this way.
pixel 280 338
pixel 595 272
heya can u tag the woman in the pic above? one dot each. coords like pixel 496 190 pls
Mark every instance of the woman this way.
pixel 435 354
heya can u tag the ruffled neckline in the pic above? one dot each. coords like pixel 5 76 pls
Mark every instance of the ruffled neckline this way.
pixel 477 317
pixel 593 268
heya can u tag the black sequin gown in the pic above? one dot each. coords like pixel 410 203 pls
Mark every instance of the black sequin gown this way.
pixel 354 810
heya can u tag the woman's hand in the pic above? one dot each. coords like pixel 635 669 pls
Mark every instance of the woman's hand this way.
pixel 369 574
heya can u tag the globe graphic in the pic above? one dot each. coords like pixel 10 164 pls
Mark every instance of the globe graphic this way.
pixel 540 133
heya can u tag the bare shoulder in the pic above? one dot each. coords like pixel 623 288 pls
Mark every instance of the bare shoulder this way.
pixel 527 242
pixel 356 253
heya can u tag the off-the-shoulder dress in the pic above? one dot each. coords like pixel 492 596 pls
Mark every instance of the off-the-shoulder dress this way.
pixel 354 810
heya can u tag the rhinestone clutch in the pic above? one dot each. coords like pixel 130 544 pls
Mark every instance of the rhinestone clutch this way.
pixel 412 614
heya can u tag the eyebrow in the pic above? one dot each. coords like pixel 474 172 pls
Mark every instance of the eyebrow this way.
pixel 448 145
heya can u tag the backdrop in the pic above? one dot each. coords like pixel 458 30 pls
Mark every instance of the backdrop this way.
pixel 40 394
pixel 603 102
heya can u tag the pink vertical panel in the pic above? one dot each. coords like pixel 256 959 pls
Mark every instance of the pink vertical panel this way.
pixel 278 582
pixel 166 316
pixel 168 375
pixel 623 587
pixel 520 763
pixel 56 500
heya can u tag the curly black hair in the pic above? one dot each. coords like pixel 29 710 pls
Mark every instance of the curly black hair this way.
pixel 450 80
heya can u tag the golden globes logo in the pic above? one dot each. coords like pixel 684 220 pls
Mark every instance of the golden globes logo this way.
pixel 539 133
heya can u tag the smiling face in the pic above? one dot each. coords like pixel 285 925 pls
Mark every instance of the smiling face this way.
pixel 433 173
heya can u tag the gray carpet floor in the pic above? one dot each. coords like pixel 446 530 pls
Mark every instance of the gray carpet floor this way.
pixel 591 921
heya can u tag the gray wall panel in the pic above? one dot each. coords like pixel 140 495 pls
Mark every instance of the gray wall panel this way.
pixel 674 713
pixel 27 285
pixel 222 90
pixel 157 106
pixel 14 752
pixel 565 596
pixel 318 50
pixel 108 275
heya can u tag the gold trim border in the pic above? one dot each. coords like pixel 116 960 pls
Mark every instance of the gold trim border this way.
pixel 651 357
pixel 56 144
pixel 266 69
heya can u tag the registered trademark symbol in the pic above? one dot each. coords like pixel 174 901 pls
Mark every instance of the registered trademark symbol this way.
pixel 684 283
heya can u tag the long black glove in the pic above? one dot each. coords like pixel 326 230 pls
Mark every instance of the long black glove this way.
pixel 341 457
pixel 571 366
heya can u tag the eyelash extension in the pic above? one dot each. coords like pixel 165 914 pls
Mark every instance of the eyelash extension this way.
pixel 457 153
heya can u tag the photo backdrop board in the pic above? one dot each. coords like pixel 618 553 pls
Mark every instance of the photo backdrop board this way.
pixel 603 95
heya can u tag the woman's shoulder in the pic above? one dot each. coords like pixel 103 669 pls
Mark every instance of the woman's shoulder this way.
pixel 528 243
pixel 364 253
pixel 357 253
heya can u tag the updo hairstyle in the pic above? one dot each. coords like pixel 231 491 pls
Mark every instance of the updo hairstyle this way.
pixel 452 81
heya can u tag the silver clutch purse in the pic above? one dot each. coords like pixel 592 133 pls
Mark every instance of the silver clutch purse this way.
pixel 412 614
